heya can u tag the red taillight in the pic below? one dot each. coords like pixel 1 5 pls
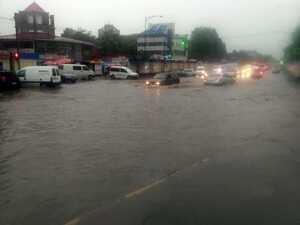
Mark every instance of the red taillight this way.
pixel 2 78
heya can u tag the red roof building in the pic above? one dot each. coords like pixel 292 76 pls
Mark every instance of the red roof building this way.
pixel 34 7
pixel 33 23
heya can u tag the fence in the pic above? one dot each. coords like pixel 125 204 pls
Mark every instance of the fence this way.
pixel 151 68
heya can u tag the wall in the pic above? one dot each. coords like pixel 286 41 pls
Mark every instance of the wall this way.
pixel 159 67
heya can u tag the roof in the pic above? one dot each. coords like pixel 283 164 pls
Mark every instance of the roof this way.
pixel 57 38
pixel 8 37
pixel 34 7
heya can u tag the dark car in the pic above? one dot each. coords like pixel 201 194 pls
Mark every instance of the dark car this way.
pixel 163 79
pixel 9 81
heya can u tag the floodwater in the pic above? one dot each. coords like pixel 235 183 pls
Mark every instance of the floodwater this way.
pixel 69 150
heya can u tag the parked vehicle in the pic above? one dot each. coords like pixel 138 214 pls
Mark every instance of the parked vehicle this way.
pixel 47 75
pixel 186 73
pixel 121 72
pixel 163 79
pixel 9 81
pixel 81 72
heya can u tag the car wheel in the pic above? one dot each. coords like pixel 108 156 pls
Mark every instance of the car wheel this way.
pixel 112 77
pixel 90 77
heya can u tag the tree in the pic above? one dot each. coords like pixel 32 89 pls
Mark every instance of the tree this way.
pixel 292 52
pixel 129 45
pixel 80 34
pixel 206 45
pixel 109 43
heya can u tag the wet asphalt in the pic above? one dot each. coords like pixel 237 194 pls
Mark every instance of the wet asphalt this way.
pixel 115 152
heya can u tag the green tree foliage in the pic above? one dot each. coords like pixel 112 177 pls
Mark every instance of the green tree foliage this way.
pixel 109 43
pixel 206 45
pixel 292 52
pixel 79 34
pixel 129 45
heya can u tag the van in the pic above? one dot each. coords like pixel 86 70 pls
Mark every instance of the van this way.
pixel 82 72
pixel 48 75
pixel 121 72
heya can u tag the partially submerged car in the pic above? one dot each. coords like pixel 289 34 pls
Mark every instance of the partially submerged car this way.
pixel 163 79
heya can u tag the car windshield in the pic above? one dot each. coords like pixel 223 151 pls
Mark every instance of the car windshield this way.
pixel 150 112
pixel 160 76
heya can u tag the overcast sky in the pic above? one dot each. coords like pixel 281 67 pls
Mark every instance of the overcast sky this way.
pixel 262 25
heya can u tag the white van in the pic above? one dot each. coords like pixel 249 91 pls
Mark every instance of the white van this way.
pixel 121 72
pixel 81 71
pixel 48 75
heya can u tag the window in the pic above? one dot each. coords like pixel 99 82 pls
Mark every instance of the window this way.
pixel 77 68
pixel 124 71
pixel 61 67
pixel 21 73
pixel 85 68
pixel 115 70
pixel 39 19
pixel 30 19
pixel 54 72
pixel 40 31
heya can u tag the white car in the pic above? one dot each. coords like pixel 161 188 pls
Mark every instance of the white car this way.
pixel 201 72
pixel 82 72
pixel 48 75
pixel 121 72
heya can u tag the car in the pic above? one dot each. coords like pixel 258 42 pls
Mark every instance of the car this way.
pixel 276 69
pixel 219 76
pixel 245 72
pixel 163 79
pixel 69 78
pixel 9 81
pixel 122 72
pixel 258 72
pixel 186 73
pixel 43 75
pixel 82 72
pixel 201 72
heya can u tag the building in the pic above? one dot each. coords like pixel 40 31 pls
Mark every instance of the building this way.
pixel 108 28
pixel 36 42
pixel 34 23
pixel 160 41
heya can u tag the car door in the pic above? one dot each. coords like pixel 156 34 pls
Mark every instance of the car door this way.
pixel 123 73
pixel 169 79
pixel 85 71
pixel 78 71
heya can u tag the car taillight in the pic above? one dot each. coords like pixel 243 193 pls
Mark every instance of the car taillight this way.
pixel 2 78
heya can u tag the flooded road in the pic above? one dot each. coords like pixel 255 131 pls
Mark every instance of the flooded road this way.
pixel 70 150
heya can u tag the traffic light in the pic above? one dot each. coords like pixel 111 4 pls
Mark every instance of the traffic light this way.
pixel 184 43
pixel 16 56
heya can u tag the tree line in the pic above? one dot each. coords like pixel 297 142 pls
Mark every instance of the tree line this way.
pixel 204 44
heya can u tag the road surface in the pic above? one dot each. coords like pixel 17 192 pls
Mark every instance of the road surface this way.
pixel 113 152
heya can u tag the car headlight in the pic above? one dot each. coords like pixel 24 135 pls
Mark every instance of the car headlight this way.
pixel 219 70
pixel 157 83
pixel 147 82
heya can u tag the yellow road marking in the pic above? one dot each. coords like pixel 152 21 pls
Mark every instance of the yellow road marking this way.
pixel 73 222
pixel 143 189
